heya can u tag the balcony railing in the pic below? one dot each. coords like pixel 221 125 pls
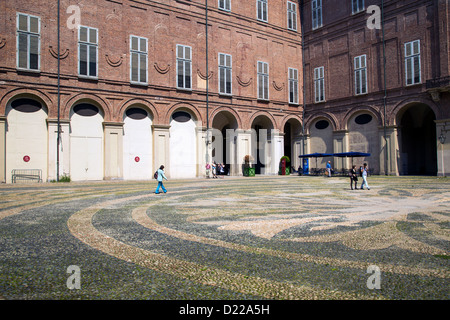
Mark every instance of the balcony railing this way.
pixel 438 83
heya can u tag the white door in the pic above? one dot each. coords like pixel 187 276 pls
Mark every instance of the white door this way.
pixel 137 145
pixel 86 143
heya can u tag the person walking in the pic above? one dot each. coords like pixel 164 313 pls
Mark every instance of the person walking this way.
pixel 365 170
pixel 160 178
pixel 353 177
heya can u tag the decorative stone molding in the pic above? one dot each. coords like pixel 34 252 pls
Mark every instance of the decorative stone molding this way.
pixel 2 42
pixel 277 87
pixel 202 76
pixel 114 64
pixel 55 54
pixel 244 83
pixel 161 70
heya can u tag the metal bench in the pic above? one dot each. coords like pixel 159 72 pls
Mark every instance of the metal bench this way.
pixel 26 175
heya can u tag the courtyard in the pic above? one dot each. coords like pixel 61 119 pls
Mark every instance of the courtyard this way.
pixel 232 238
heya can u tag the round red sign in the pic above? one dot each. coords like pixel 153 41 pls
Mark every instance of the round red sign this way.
pixel 26 158
pixel 137 159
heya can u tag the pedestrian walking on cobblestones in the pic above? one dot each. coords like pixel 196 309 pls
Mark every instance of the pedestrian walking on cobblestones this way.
pixel 353 177
pixel 160 178
pixel 365 170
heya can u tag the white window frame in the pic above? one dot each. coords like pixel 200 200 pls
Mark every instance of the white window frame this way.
pixel 29 34
pixel 357 6
pixel 263 80
pixel 140 52
pixel 412 55
pixel 185 61
pixel 292 16
pixel 89 44
pixel 360 67
pixel 224 5
pixel 262 10
pixel 316 14
pixel 225 73
pixel 293 85
pixel 319 84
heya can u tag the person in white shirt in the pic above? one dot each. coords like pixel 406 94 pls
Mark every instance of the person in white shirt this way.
pixel 365 170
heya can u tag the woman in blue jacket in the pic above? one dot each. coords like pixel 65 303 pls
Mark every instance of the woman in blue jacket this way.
pixel 160 178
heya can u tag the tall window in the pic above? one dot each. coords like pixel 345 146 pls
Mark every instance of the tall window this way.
pixel 360 75
pixel 225 5
pixel 412 62
pixel 225 68
pixel 87 51
pixel 28 41
pixel 319 84
pixel 263 80
pixel 293 86
pixel 316 13
pixel 357 6
pixel 138 56
pixel 292 15
pixel 184 66
pixel 262 10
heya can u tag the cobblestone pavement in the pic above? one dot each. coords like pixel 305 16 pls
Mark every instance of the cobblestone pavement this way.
pixel 263 237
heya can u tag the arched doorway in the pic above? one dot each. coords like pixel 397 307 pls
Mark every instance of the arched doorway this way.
pixel 321 141
pixel 262 128
pixel 86 142
pixel 363 136
pixel 137 144
pixel 292 141
pixel 183 145
pixel 224 125
pixel 26 136
pixel 417 140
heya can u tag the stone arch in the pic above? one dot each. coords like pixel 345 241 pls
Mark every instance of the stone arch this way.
pixel 361 110
pixel 103 106
pixel 38 95
pixel 320 116
pixel 191 109
pixel 264 114
pixel 402 106
pixel 147 106
pixel 232 112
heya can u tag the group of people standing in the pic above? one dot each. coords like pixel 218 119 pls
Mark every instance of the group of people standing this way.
pixel 215 169
pixel 354 177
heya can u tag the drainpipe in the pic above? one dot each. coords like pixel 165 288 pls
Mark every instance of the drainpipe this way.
pixel 303 75
pixel 59 80
pixel 386 156
pixel 207 83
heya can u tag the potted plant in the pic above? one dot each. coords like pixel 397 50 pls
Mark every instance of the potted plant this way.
pixel 249 170
pixel 284 166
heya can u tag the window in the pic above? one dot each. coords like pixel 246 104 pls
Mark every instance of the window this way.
pixel 316 13
pixel 319 84
pixel 138 63
pixel 292 15
pixel 360 75
pixel 262 10
pixel 28 41
pixel 412 62
pixel 87 52
pixel 293 86
pixel 184 63
pixel 225 71
pixel 357 6
pixel 225 5
pixel 263 80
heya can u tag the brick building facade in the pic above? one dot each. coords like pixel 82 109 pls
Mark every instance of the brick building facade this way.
pixel 136 90
pixel 133 86
pixel 353 102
